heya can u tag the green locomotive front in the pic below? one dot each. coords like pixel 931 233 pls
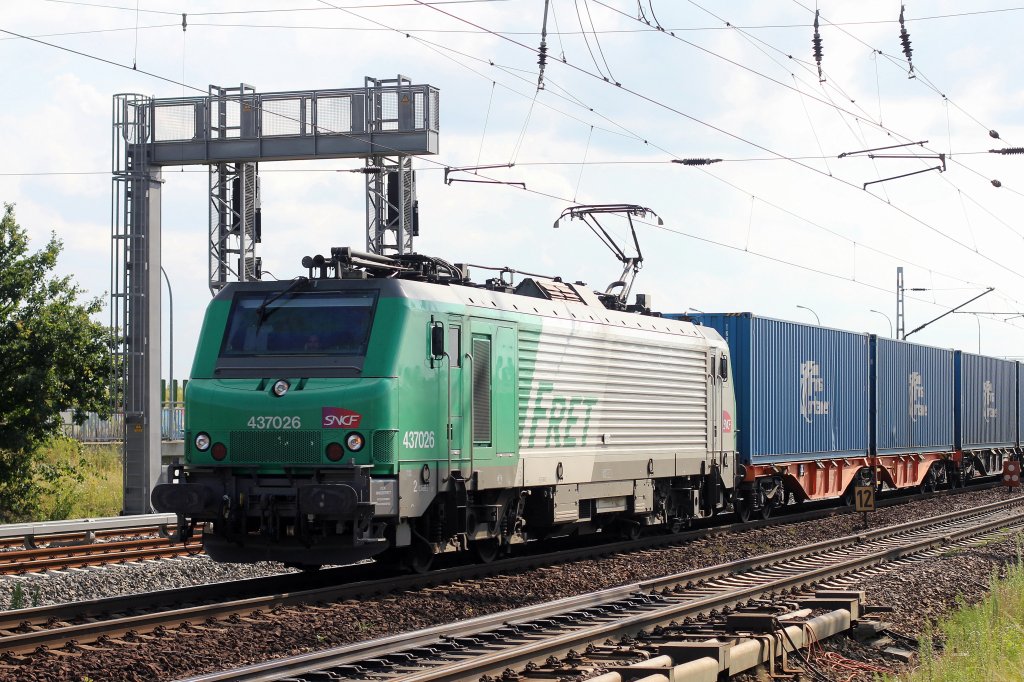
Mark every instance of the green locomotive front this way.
pixel 337 417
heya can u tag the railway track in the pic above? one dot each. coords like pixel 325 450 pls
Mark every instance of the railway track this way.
pixel 640 626
pixel 59 557
pixel 57 545
pixel 68 626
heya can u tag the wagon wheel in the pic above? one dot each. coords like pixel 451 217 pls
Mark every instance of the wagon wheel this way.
pixel 928 483
pixel 770 503
pixel 629 530
pixel 954 476
pixel 418 558
pixel 742 506
pixel 485 551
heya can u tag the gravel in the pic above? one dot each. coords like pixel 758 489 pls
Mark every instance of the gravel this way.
pixel 295 630
pixel 83 584
pixel 920 597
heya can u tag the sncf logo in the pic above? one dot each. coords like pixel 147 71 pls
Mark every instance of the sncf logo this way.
pixel 340 418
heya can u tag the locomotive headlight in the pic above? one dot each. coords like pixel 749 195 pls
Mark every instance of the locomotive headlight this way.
pixel 355 442
pixel 280 387
pixel 203 442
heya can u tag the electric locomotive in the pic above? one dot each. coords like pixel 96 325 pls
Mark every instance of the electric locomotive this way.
pixel 388 407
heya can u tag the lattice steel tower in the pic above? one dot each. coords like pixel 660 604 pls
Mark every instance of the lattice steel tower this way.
pixel 386 122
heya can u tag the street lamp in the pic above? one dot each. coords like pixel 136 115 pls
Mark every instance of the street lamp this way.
pixel 886 319
pixel 816 318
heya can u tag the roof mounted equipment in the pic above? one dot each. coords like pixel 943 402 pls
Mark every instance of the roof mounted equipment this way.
pixel 631 264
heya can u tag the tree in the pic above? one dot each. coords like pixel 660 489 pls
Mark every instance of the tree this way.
pixel 53 357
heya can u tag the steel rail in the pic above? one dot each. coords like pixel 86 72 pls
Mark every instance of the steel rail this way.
pixel 43 528
pixel 69 539
pixel 49 626
pixel 93 554
pixel 98 608
pixel 470 646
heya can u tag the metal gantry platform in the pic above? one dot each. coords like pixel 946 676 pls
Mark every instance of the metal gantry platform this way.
pixel 233 129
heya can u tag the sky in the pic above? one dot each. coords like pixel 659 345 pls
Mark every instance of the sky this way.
pixel 782 226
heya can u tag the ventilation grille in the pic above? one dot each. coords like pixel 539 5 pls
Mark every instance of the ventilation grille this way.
pixel 384 446
pixel 482 390
pixel 549 289
pixel 273 447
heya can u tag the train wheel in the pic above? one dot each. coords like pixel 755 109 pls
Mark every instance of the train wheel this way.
pixel 629 530
pixel 954 476
pixel 742 506
pixel 770 503
pixel 928 484
pixel 485 551
pixel 418 558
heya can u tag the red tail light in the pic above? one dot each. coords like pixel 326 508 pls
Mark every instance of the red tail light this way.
pixel 335 452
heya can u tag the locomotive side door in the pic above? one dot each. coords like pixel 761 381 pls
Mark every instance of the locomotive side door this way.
pixel 453 392
pixel 714 406
pixel 489 376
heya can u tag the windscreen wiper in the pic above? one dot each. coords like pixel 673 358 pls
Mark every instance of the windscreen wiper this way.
pixel 262 312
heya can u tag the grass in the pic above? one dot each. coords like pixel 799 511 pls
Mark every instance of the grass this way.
pixel 982 642
pixel 95 490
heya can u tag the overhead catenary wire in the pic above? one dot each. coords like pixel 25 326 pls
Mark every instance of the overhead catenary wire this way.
pixel 171 81
pixel 1002 266
pixel 203 91
pixel 182 83
pixel 379 5
pixel 564 113
pixel 832 84
pixel 922 78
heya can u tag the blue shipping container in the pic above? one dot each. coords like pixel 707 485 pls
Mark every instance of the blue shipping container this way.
pixel 986 402
pixel 912 397
pixel 1020 404
pixel 801 390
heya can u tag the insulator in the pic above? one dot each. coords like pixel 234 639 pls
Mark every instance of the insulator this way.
pixel 817 42
pixel 993 134
pixel 696 162
pixel 1007 150
pixel 905 40
pixel 996 183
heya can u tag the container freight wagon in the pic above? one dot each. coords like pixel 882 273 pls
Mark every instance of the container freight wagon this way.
pixel 912 411
pixel 802 401
pixel 1020 406
pixel 986 412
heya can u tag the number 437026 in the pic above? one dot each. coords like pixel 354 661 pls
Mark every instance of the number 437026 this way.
pixel 418 440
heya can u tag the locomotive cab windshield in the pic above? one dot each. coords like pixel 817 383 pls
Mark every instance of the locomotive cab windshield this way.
pixel 303 329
